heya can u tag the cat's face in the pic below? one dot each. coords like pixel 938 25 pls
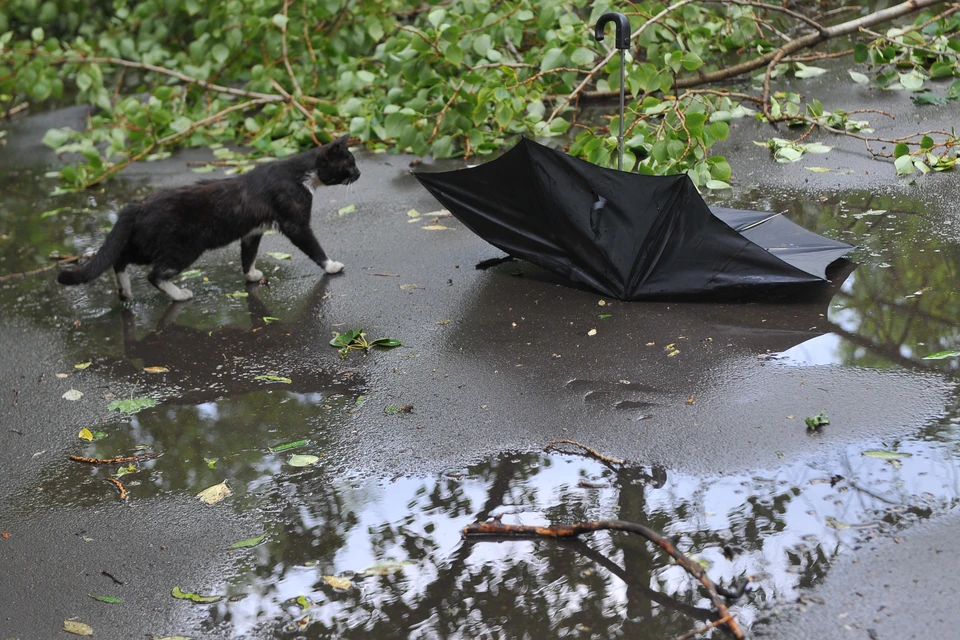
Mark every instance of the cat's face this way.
pixel 335 163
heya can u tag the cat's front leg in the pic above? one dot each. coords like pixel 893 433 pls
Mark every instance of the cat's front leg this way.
pixel 302 237
pixel 249 245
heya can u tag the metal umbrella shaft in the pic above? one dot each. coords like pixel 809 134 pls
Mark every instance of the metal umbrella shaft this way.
pixel 623 43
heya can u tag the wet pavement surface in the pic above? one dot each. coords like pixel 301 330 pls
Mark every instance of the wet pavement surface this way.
pixel 706 402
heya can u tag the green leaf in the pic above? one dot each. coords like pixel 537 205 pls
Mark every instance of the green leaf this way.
pixel 901 149
pixel 942 355
pixel 56 138
pixel 350 208
pixel 248 542
pixel 280 20
pixel 289 445
pixel 880 454
pixel 190 273
pixel 552 59
pixel 719 130
pixel 220 52
pixel 53 212
pixel 37 34
pixel 860 52
pixel 818 169
pixel 582 56
pixel 272 378
pixel 718 184
pixel 238 294
pixel 386 343
pixel 183 595
pixel 300 460
pixel 815 422
pixel 926 142
pixel 106 599
pixel 904 165
pixel 278 255
pixel 858 77
pixel 912 80
pixel 692 61
pixel 131 405
pixel 269 319
pixel 806 71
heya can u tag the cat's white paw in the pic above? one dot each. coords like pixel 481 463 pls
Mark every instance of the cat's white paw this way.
pixel 332 266
pixel 254 275
pixel 185 294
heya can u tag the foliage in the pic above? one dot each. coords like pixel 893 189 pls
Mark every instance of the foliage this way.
pixel 356 340
pixel 454 78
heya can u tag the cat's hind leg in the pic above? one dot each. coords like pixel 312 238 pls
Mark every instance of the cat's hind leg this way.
pixel 161 276
pixel 123 282
pixel 249 245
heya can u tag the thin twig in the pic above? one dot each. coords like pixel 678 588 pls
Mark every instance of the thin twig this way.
pixel 121 460
pixel 12 111
pixel 695 632
pixel 695 569
pixel 283 49
pixel 443 112
pixel 123 490
pixel 62 261
pixel 772 7
pixel 589 450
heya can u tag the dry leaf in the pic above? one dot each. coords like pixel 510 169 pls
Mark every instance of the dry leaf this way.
pixel 337 582
pixel 216 493
pixel 673 353
pixel 156 369
pixel 72 395
pixel 413 213
pixel 592 332
pixel 62 375
pixel 85 434
pixel 435 227
pixel 602 303
pixel 691 400
pixel 77 628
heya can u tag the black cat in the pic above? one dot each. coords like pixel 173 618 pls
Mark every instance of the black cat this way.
pixel 170 229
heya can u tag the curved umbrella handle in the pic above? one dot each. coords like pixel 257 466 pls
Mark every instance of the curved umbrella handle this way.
pixel 623 28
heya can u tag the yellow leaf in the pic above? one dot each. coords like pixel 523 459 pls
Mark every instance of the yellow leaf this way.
pixel 85 434
pixel 82 365
pixel 62 375
pixel 156 369
pixel 435 227
pixel 77 628
pixel 673 353
pixel 413 213
pixel 214 494
pixel 337 582
pixel 592 332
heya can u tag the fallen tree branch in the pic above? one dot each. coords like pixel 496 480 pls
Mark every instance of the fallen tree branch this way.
pixel 497 528
pixel 804 42
pixel 176 136
pixel 589 450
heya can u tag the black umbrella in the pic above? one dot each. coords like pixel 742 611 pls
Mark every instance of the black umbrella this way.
pixel 626 235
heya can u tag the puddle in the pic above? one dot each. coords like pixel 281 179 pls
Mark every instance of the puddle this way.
pixel 412 575
pixel 902 302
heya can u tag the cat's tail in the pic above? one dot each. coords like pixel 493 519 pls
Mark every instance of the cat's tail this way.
pixel 105 257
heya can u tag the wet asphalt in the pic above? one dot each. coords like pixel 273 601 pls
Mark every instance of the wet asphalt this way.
pixel 493 361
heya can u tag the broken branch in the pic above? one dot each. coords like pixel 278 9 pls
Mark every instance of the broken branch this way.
pixel 497 528
pixel 589 450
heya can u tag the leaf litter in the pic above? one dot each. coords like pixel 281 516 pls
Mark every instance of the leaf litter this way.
pixel 216 493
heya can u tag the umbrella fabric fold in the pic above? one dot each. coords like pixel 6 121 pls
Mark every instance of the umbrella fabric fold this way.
pixel 626 235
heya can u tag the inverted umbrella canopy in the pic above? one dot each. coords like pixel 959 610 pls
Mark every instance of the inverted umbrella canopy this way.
pixel 625 235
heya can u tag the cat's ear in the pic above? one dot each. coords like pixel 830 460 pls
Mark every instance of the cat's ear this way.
pixel 342 140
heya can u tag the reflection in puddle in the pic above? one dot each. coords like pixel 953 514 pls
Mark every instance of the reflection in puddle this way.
pixel 383 559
